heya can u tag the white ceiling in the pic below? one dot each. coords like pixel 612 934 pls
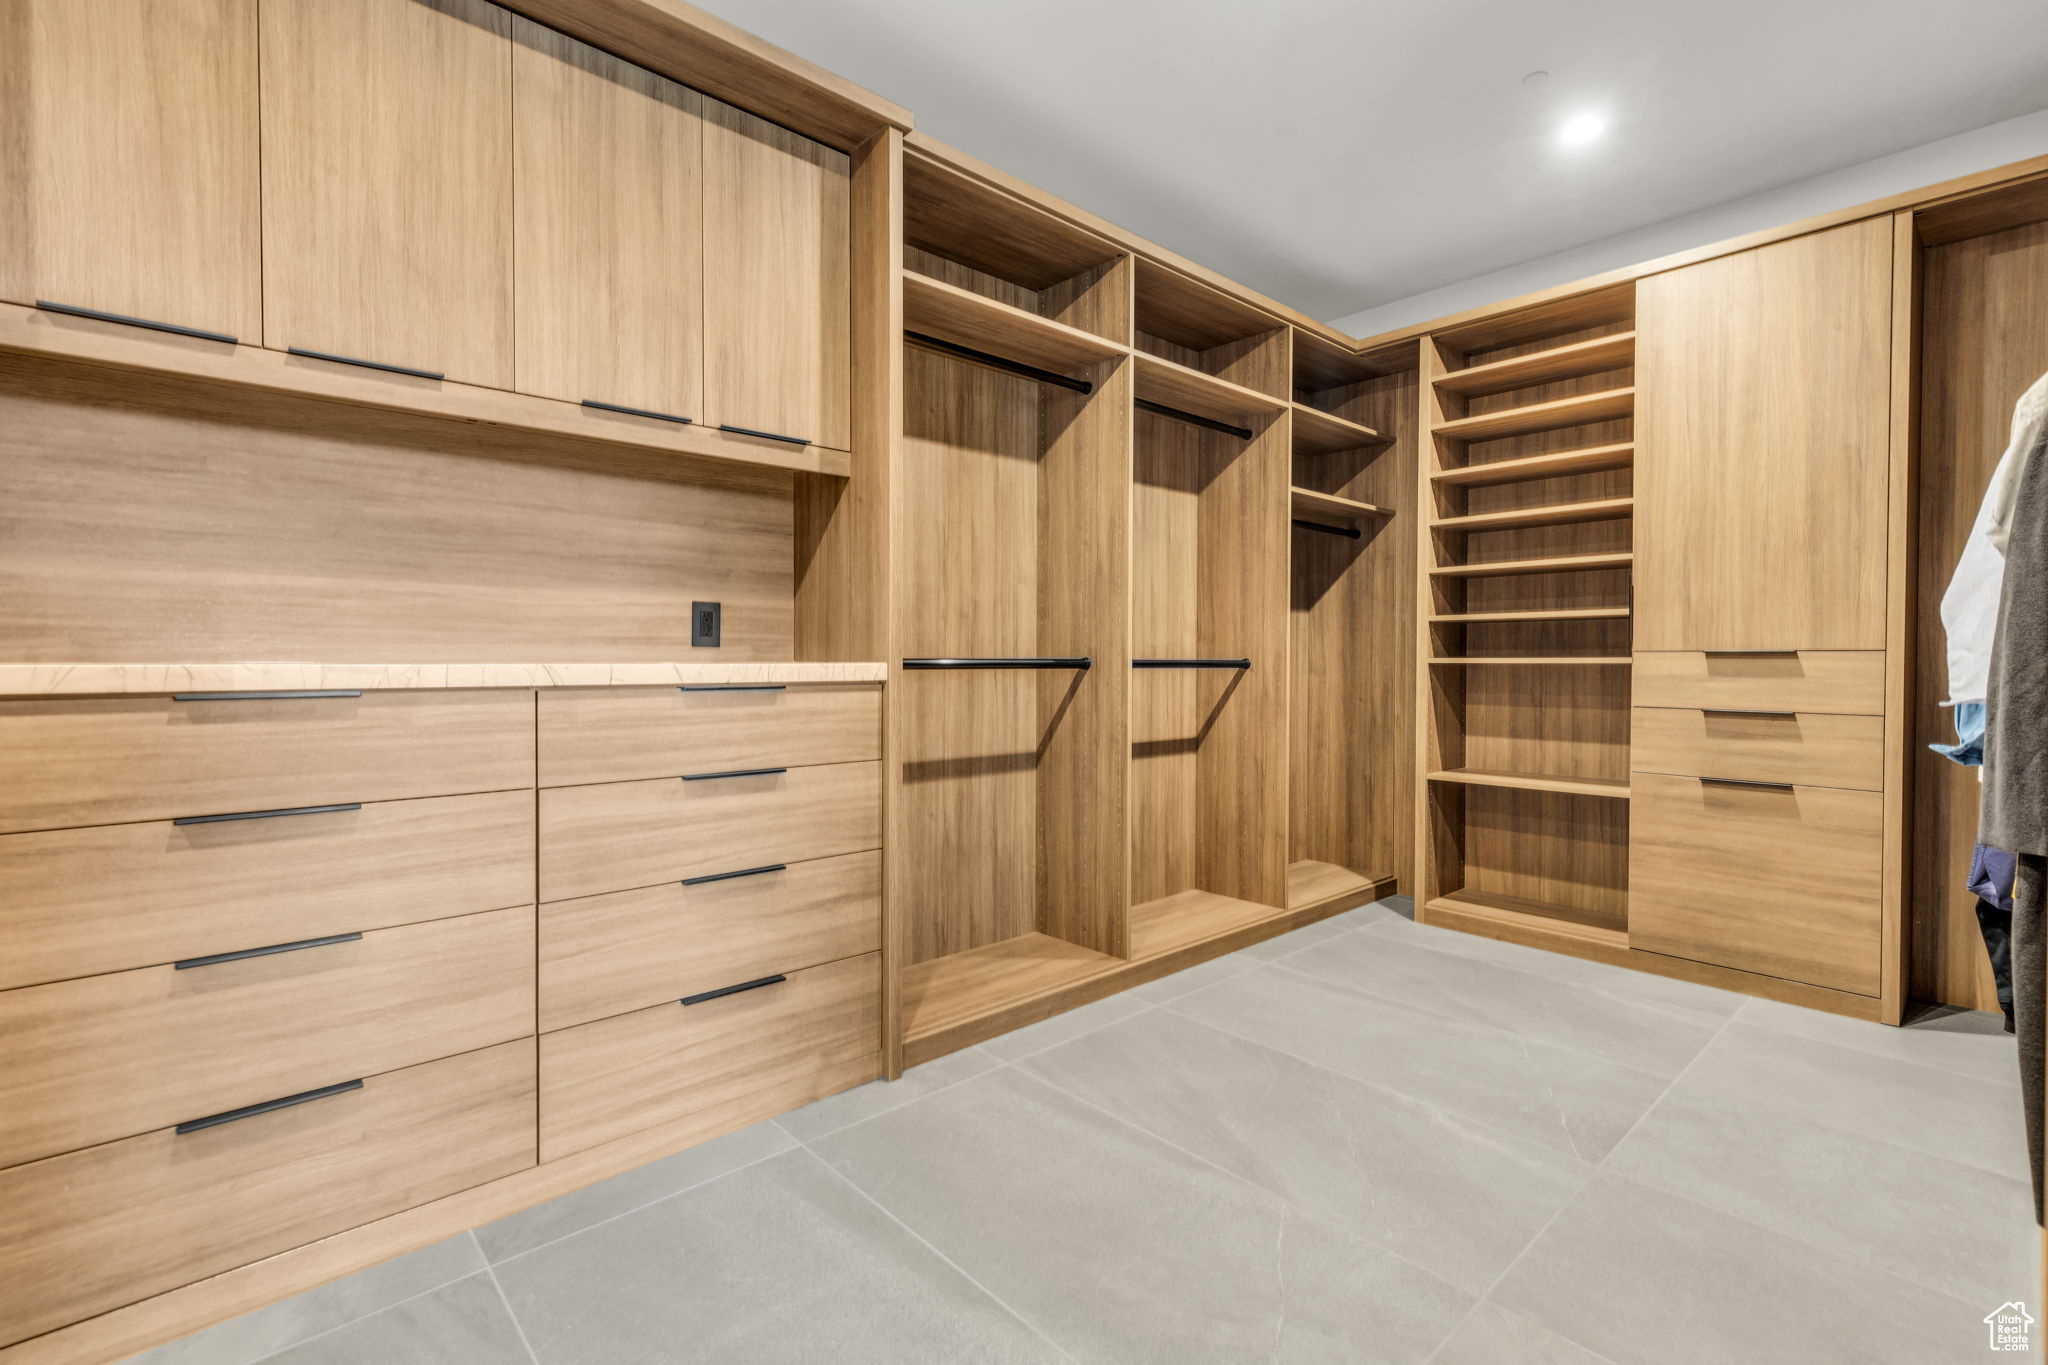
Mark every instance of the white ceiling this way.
pixel 1337 154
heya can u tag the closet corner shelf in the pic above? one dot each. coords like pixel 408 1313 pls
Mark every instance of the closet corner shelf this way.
pixel 1463 618
pixel 1310 882
pixel 1542 661
pixel 1541 367
pixel 1559 514
pixel 1521 913
pixel 1553 564
pixel 966 318
pixel 1314 506
pixel 951 992
pixel 1167 382
pixel 1533 782
pixel 1323 433
pixel 1617 456
pixel 1554 415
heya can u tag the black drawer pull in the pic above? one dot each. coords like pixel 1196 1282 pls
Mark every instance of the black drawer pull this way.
pixel 637 412
pixel 732 990
pixel 732 687
pixel 264 696
pixel 740 772
pixel 265 814
pixel 100 316
pixel 766 435
pixel 268 1106
pixel 728 876
pixel 1753 653
pixel 1744 711
pixel 1745 782
pixel 364 364
pixel 215 959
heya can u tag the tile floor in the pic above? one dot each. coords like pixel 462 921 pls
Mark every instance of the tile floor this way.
pixel 1366 1141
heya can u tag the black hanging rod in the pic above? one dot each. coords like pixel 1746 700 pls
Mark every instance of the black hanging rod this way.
pixel 1238 664
pixel 1348 532
pixel 1194 419
pixel 996 362
pixel 1082 662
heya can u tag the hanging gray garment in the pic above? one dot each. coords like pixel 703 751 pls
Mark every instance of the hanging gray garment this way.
pixel 2029 962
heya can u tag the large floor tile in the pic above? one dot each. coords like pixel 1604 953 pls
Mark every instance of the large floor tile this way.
pixel 579 1209
pixel 1964 1041
pixel 1455 1197
pixel 1618 1027
pixel 1064 1027
pixel 1957 1228
pixel 1562 1099
pixel 1939 1112
pixel 1125 1249
pixel 464 1323
pixel 255 1336
pixel 879 1097
pixel 1639 1275
pixel 1495 1336
pixel 780 1262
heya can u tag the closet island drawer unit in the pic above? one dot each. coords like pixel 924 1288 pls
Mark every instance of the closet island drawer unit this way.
pixel 628 733
pixel 1813 748
pixel 89 1231
pixel 1836 681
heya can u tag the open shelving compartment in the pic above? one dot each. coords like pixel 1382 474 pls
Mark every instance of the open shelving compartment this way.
pixel 1527 489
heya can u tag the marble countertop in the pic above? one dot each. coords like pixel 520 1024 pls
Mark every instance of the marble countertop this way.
pixel 291 675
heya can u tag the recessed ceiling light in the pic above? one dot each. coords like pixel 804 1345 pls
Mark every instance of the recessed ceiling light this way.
pixel 1580 129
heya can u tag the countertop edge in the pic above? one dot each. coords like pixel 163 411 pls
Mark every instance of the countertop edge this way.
pixel 113 679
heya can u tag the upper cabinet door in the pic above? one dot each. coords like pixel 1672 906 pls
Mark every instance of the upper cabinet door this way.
pixel 387 183
pixel 775 279
pixel 128 164
pixel 1763 406
pixel 608 200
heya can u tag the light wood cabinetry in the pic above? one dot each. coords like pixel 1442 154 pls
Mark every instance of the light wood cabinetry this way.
pixel 387 184
pixel 619 734
pixel 1813 748
pixel 776 321
pixel 128 175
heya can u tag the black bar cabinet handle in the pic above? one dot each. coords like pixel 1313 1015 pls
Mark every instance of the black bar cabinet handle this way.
pixel 215 959
pixel 732 990
pixel 268 1106
pixel 1745 782
pixel 1349 532
pixel 729 876
pixel 1753 653
pixel 1742 711
pixel 363 364
pixel 263 696
pixel 100 315
pixel 265 814
pixel 737 772
pixel 1082 662
pixel 638 412
pixel 1193 419
pixel 996 362
pixel 732 687
pixel 1238 664
pixel 766 435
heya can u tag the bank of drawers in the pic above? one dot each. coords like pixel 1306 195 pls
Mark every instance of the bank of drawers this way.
pixel 711 899
pixel 1756 816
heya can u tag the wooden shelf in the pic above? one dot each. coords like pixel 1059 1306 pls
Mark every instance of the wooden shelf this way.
pixel 1309 881
pixel 966 318
pixel 950 991
pixel 1170 923
pixel 1322 433
pixel 1553 614
pixel 1541 367
pixel 1604 406
pixel 1314 506
pixel 1553 564
pixel 1545 661
pixel 1560 514
pixel 1521 912
pixel 1618 456
pixel 1158 380
pixel 1533 782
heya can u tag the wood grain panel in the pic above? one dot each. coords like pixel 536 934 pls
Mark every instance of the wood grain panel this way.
pixel 107 1057
pixel 776 339
pixel 77 902
pixel 607 216
pixel 1813 750
pixel 1766 396
pixel 130 169
pixel 90 1231
pixel 1786 883
pixel 387 183
pixel 620 734
pixel 1167 719
pixel 1836 682
pixel 608 954
pixel 97 761
pixel 1565 855
pixel 620 835
pixel 604 1080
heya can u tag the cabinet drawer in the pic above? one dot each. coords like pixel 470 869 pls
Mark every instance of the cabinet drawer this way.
pixel 1838 682
pixel 633 1071
pixel 1807 747
pixel 604 955
pixel 1786 883
pixel 107 760
pixel 79 902
pixel 92 1230
pixel 626 834
pixel 105 1057
pixel 628 733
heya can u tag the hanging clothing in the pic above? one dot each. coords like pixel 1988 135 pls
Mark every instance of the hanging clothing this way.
pixel 1991 878
pixel 1969 609
pixel 2029 961
pixel 1968 749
